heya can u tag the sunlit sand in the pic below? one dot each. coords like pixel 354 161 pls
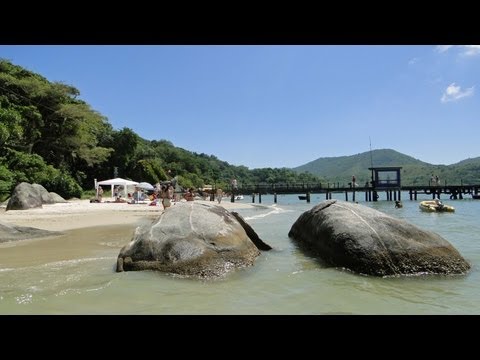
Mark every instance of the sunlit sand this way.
pixel 82 214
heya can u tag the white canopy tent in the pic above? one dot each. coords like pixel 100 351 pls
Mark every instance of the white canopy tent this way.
pixel 114 182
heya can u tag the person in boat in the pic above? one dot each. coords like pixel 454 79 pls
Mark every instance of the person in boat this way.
pixel 438 203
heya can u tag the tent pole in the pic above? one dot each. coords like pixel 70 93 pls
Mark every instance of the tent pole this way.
pixel 96 188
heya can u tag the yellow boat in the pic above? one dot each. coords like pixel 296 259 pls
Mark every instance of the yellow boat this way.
pixel 435 206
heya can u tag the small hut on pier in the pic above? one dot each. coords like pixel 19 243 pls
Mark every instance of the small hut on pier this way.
pixel 386 178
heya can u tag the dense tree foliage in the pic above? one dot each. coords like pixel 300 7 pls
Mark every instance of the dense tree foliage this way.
pixel 49 136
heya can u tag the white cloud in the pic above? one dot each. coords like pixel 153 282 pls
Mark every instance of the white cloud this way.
pixel 454 93
pixel 442 48
pixel 471 50
pixel 413 61
pixel 467 50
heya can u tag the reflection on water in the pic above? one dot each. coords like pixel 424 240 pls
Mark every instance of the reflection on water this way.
pixel 75 274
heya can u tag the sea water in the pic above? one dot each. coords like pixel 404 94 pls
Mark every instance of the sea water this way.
pixel 75 273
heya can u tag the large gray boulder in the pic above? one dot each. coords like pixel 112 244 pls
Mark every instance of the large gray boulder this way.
pixel 367 241
pixel 251 233
pixel 44 194
pixel 28 196
pixel 190 238
pixel 10 232
pixel 25 196
pixel 57 198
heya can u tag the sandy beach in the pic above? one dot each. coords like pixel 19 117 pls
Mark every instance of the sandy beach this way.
pixel 85 230
pixel 79 214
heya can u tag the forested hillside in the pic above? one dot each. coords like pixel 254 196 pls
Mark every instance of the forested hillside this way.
pixel 51 137
pixel 414 172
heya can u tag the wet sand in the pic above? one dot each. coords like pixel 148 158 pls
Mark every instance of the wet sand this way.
pixel 88 230
pixel 72 244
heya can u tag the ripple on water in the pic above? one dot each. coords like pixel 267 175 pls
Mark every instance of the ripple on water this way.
pixel 57 278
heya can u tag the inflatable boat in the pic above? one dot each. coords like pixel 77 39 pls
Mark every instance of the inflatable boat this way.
pixel 433 206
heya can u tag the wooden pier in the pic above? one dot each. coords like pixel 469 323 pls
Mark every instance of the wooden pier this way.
pixel 355 193
pixel 383 179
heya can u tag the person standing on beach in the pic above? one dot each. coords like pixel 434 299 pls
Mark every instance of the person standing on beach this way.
pixel 171 191
pixel 165 198
pixel 219 195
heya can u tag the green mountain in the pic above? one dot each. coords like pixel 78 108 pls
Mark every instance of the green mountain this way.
pixel 469 161
pixel 414 172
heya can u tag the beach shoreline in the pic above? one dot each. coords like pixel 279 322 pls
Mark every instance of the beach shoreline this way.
pixel 77 214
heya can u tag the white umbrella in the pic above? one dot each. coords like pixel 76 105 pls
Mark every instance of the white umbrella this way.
pixel 146 186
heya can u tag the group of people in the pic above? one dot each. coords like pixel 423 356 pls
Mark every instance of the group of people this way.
pixel 434 181
pixel 117 195
pixel 163 193
pixel 167 195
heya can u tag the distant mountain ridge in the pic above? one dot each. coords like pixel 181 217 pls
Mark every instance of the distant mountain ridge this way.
pixel 414 172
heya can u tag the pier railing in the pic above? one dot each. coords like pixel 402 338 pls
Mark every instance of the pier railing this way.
pixel 371 192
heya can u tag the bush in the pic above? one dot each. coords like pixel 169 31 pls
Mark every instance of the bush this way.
pixel 61 183
pixel 6 183
pixel 31 168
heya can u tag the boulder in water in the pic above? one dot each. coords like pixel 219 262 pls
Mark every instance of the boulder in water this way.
pixel 368 241
pixel 190 238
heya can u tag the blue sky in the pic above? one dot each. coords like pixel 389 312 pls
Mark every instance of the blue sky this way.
pixel 278 106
